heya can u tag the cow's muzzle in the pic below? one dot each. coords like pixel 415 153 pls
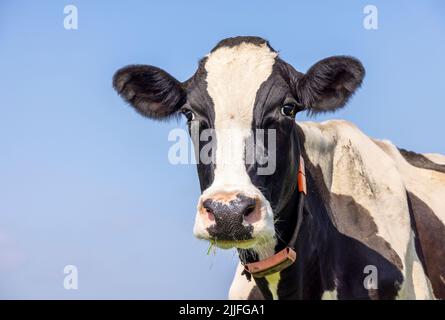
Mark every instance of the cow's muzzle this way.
pixel 229 218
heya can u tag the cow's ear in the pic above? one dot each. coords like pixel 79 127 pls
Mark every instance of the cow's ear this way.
pixel 151 91
pixel 329 83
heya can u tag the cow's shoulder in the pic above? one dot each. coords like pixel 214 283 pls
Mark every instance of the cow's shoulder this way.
pixel 364 191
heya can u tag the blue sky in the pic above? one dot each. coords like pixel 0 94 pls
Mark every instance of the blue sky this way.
pixel 86 181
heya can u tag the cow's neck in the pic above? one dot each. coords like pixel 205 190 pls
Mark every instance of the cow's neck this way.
pixel 312 273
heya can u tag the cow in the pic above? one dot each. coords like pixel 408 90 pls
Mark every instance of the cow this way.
pixel 342 215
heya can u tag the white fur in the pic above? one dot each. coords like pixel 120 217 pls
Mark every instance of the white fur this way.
pixel 435 157
pixel 422 285
pixel 427 185
pixel 416 285
pixel 241 287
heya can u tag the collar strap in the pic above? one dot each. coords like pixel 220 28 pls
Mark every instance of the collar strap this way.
pixel 286 257
pixel 301 176
pixel 276 263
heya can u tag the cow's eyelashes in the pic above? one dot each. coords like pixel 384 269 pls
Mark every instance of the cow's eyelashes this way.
pixel 188 114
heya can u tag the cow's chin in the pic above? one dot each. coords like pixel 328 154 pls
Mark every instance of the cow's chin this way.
pixel 262 242
pixel 229 244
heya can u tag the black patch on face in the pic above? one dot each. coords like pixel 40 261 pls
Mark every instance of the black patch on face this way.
pixel 229 218
pixel 430 243
pixel 273 93
pixel 420 161
pixel 199 101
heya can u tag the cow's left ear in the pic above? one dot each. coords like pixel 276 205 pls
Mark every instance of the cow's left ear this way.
pixel 150 90
pixel 329 83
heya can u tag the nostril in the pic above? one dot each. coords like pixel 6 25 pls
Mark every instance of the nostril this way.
pixel 248 210
pixel 209 211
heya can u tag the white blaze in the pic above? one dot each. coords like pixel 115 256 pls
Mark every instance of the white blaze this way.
pixel 234 75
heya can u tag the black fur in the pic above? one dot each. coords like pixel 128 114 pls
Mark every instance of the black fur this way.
pixel 150 90
pixel 430 235
pixel 328 84
pixel 235 41
pixel 420 161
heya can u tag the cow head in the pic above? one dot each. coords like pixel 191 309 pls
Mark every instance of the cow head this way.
pixel 241 88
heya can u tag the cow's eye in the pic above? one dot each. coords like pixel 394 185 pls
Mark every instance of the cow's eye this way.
pixel 189 115
pixel 289 110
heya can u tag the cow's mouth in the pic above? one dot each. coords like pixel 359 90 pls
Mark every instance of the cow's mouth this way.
pixel 229 244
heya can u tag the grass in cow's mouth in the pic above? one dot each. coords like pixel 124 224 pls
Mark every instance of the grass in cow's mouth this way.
pixel 229 244
pixel 212 245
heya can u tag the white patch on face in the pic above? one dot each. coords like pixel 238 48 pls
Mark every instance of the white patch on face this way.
pixel 353 166
pixel 234 75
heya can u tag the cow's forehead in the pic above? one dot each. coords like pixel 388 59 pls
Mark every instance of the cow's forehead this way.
pixel 244 52
pixel 234 76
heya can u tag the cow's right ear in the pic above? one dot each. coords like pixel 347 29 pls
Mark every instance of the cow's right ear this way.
pixel 151 91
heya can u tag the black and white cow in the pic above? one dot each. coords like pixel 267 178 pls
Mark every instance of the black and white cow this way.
pixel 368 203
